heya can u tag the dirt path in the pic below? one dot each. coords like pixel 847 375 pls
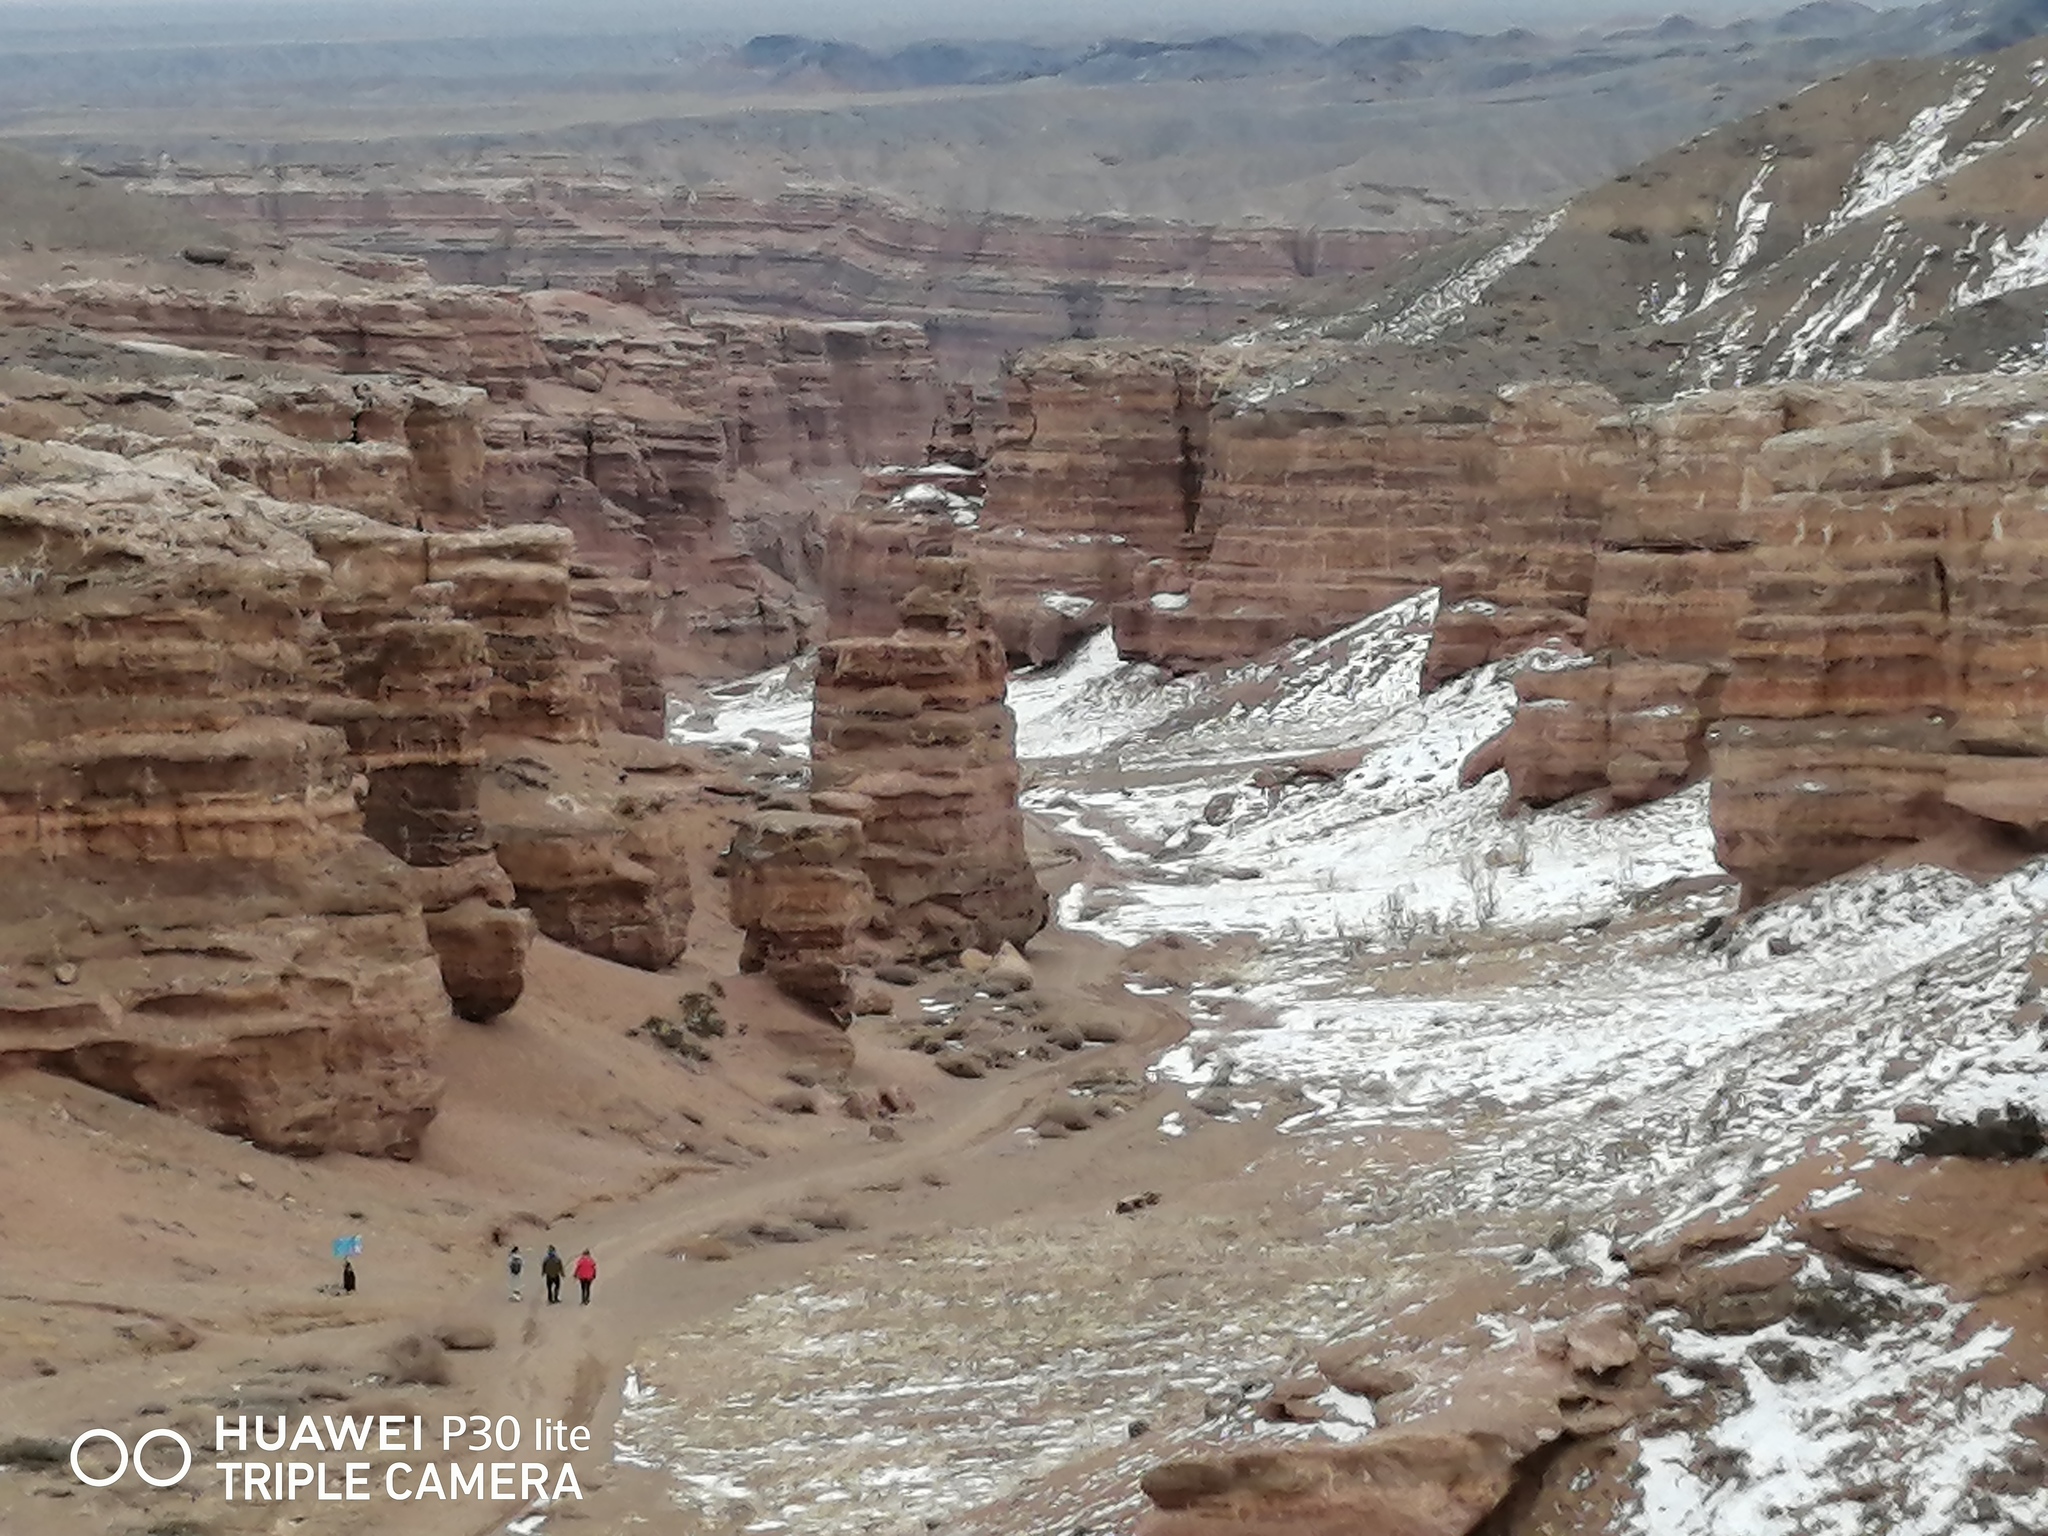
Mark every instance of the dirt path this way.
pixel 571 1364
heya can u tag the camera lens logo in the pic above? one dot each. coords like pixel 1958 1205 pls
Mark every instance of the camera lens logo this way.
pixel 128 1458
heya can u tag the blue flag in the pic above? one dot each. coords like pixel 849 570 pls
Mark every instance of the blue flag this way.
pixel 347 1247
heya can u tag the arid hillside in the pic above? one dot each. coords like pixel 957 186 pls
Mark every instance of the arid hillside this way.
pixel 1888 223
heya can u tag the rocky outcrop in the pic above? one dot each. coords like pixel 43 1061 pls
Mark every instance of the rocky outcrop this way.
pixel 193 916
pixel 913 729
pixel 802 897
pixel 596 842
pixel 872 554
pixel 1310 517
pixel 1218 526
pixel 1885 679
pixel 638 433
pixel 1821 594
pixel 413 685
pixel 456 335
pixel 1492 1431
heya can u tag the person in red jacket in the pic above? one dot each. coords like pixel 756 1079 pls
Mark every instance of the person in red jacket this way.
pixel 585 1272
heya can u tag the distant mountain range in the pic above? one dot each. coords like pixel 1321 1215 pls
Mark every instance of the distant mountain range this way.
pixel 1822 31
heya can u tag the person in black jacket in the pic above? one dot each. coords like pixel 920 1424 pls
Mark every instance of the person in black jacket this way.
pixel 551 1271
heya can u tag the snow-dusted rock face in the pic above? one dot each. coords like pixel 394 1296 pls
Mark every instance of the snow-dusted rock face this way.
pixel 1832 580
pixel 1883 225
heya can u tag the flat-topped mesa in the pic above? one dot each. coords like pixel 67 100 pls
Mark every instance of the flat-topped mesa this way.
pixel 914 724
pixel 190 913
pixel 1888 673
pixel 458 335
pixel 1098 470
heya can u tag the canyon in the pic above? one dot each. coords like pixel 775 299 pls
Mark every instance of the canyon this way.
pixel 1438 890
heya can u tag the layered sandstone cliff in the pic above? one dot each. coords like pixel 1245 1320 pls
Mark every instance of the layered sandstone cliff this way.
pixel 194 916
pixel 1886 672
pixel 644 435
pixel 981 286
pixel 802 897
pixel 913 730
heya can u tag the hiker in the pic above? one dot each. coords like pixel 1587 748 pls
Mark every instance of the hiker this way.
pixel 513 1265
pixel 348 1278
pixel 551 1272
pixel 586 1271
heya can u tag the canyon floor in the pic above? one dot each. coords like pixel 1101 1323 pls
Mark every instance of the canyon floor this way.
pixel 1401 1071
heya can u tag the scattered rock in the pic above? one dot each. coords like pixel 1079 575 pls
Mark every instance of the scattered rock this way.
pixel 1130 1203
pixel 827 1216
pixel 1600 1342
pixel 798 1102
pixel 1352 1368
pixel 895 1100
pixel 2011 1135
pixel 467 1336
pixel 871 1000
pixel 960 1064
pixel 897 974
pixel 1010 966
pixel 159 1336
pixel 33 1454
pixel 975 962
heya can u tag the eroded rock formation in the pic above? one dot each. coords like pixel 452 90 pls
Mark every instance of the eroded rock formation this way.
pixel 193 914
pixel 983 287
pixel 596 842
pixel 1886 679
pixel 643 435
pixel 914 725
pixel 1445 1471
pixel 801 894
pixel 1820 593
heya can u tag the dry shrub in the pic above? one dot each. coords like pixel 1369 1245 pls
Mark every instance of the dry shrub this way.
pixel 418 1360
pixel 827 1216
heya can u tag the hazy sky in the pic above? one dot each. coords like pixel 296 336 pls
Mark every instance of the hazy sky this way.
pixel 884 18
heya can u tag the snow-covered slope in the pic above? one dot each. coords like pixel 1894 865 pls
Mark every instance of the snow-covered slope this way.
pixel 1891 222
pixel 1565 1005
